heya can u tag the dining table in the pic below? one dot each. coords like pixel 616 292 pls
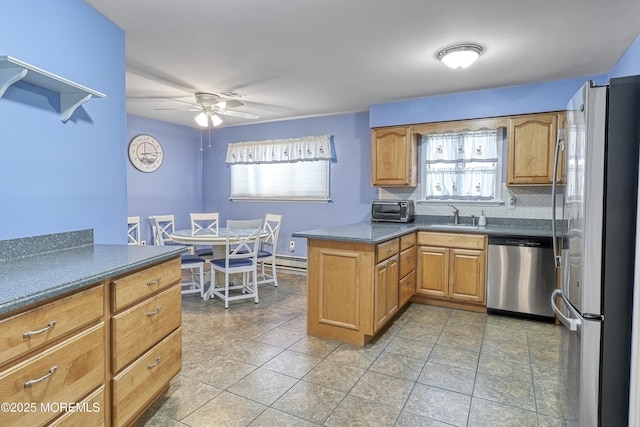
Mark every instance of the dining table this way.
pixel 209 237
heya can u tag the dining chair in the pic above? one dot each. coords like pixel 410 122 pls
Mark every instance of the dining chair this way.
pixel 202 221
pixel 133 231
pixel 162 226
pixel 267 251
pixel 188 261
pixel 241 257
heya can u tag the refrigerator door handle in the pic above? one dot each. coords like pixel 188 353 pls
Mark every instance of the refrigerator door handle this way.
pixel 559 146
pixel 572 323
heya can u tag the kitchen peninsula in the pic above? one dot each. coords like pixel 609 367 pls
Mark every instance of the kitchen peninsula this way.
pixel 361 275
pixel 97 326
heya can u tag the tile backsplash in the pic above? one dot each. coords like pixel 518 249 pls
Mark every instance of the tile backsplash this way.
pixel 530 202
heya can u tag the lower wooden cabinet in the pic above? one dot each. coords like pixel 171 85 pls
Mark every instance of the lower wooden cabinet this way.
pixel 353 288
pixel 142 381
pixel 109 364
pixel 452 270
pixel 385 294
pixel 63 373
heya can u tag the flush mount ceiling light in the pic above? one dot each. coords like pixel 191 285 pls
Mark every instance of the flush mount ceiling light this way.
pixel 460 56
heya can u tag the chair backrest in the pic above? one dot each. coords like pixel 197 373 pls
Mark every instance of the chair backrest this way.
pixel 243 238
pixel 272 226
pixel 133 231
pixel 162 226
pixel 207 221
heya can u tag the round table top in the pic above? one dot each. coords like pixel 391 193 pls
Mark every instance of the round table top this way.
pixel 206 236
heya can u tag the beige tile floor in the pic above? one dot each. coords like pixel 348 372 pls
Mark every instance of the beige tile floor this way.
pixel 254 365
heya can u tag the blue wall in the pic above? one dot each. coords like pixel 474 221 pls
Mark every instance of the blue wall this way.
pixel 350 186
pixel 176 187
pixel 56 176
pixel 532 98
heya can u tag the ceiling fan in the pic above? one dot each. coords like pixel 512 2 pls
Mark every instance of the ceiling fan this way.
pixel 211 106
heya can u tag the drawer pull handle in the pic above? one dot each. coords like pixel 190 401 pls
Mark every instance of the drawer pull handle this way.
pixel 157 362
pixel 39 331
pixel 42 378
pixel 154 282
pixel 154 312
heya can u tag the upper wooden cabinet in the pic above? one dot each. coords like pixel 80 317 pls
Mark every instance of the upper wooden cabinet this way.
pixel 531 148
pixel 394 157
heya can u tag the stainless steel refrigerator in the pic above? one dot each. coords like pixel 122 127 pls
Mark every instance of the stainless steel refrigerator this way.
pixel 600 148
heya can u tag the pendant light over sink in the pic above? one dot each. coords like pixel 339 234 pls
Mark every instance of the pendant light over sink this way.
pixel 460 56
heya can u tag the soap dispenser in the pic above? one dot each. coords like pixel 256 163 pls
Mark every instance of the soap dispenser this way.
pixel 482 220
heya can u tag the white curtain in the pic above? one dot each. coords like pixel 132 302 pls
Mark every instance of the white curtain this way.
pixel 307 148
pixel 461 165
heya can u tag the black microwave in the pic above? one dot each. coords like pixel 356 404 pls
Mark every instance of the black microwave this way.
pixel 393 210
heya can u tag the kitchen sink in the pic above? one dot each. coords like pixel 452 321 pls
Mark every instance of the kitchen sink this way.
pixel 454 226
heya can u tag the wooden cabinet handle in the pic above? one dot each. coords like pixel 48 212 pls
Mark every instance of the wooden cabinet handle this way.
pixel 42 378
pixel 154 312
pixel 157 362
pixel 39 331
pixel 154 282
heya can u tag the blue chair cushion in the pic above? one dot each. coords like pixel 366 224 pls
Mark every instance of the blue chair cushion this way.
pixel 191 259
pixel 204 252
pixel 261 253
pixel 232 262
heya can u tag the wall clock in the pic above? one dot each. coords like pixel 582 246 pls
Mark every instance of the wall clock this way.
pixel 145 153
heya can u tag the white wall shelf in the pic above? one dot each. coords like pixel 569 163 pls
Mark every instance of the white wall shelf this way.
pixel 72 95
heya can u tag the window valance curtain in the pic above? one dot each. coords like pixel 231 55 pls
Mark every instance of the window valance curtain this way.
pixel 461 166
pixel 308 148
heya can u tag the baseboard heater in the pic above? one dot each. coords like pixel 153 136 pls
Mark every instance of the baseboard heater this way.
pixel 291 263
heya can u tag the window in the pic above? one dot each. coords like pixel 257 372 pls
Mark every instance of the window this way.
pixel 292 169
pixel 463 166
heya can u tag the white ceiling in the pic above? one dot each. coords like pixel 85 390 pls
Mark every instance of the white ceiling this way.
pixel 301 58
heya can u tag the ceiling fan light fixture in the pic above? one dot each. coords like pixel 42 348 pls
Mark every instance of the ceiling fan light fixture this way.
pixel 202 120
pixel 460 56
pixel 216 120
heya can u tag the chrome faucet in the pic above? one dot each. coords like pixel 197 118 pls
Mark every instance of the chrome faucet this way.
pixel 456 216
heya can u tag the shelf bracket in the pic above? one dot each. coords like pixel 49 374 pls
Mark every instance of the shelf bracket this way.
pixel 9 76
pixel 69 102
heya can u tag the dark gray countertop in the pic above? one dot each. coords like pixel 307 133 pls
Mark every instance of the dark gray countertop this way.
pixel 376 232
pixel 36 269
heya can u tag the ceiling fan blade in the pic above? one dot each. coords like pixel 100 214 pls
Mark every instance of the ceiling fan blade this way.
pixel 237 114
pixel 178 109
pixel 229 103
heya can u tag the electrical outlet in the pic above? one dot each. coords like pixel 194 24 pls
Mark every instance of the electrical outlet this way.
pixel 292 246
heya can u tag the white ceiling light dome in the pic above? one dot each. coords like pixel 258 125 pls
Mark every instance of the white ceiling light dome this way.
pixel 460 55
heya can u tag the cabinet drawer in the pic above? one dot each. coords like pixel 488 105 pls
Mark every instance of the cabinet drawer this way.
pixel 452 240
pixel 407 261
pixel 407 287
pixel 387 249
pixel 48 322
pixel 91 412
pixel 62 373
pixel 139 328
pixel 132 288
pixel 407 241
pixel 134 387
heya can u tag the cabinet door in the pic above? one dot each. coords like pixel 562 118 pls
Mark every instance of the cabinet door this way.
pixel 393 290
pixel 380 285
pixel 531 149
pixel 394 157
pixel 433 271
pixel 467 277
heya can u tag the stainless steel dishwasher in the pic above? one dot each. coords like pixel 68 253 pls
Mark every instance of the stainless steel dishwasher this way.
pixel 521 276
